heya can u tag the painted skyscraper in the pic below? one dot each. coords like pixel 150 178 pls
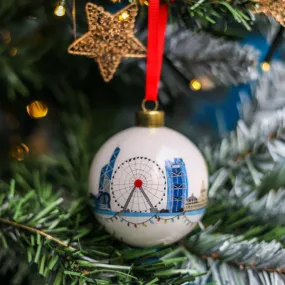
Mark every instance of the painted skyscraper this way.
pixel 177 184
pixel 103 201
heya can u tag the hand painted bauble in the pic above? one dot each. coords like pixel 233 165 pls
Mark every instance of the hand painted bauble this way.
pixel 148 183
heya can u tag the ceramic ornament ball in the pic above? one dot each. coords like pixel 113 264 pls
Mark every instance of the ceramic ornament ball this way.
pixel 148 184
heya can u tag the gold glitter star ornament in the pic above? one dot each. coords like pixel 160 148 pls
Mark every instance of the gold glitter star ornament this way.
pixel 109 38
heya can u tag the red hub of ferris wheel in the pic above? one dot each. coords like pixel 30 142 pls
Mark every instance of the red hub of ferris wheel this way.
pixel 138 183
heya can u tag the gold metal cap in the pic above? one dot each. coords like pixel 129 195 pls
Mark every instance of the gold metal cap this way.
pixel 150 119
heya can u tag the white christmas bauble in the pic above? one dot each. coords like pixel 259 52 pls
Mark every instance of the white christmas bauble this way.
pixel 148 186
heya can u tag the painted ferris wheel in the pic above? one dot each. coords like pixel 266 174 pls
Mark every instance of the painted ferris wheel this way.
pixel 138 185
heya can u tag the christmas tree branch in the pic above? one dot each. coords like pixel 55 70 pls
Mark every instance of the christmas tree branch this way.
pixel 33 230
pixel 209 12
pixel 230 259
pixel 249 254
pixel 237 246
pixel 196 55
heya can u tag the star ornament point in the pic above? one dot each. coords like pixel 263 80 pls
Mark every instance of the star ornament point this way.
pixel 109 39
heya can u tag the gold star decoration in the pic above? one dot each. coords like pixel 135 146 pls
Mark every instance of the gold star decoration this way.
pixel 272 8
pixel 109 38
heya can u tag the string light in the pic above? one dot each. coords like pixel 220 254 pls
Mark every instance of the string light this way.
pixel 37 110
pixel 124 16
pixel 195 85
pixel 265 66
pixel 13 51
pixel 144 224
pixel 143 2
pixel 19 152
pixel 60 9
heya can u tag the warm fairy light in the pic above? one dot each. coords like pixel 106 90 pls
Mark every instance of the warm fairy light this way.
pixel 195 85
pixel 13 51
pixel 124 16
pixel 37 110
pixel 60 9
pixel 20 152
pixel 143 2
pixel 265 66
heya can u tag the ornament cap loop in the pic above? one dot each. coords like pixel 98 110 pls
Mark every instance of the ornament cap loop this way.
pixel 150 119
pixel 144 101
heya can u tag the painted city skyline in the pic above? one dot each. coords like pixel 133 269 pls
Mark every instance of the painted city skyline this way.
pixel 174 184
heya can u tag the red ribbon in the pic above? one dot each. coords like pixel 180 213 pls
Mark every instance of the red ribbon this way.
pixel 157 20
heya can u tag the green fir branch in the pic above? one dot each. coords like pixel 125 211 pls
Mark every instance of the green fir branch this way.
pixel 212 11
pixel 75 251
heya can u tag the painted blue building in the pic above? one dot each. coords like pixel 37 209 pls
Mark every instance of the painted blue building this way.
pixel 103 200
pixel 177 190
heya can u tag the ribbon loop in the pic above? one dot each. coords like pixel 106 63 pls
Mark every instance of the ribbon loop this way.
pixel 157 20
